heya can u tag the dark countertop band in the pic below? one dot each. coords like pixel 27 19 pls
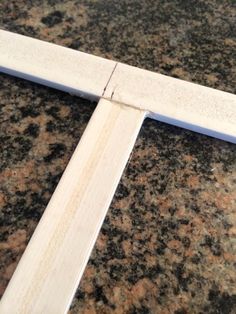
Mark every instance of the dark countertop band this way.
pixel 168 244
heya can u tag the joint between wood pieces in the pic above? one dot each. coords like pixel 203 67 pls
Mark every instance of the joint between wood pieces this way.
pixel 122 104
pixel 104 90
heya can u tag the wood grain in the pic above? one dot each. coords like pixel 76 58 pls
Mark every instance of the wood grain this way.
pixel 53 263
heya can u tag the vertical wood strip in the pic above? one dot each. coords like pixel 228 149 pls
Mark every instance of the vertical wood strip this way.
pixel 55 258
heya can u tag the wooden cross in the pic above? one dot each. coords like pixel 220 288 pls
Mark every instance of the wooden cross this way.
pixel 50 270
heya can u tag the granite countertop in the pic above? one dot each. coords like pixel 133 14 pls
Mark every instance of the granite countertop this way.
pixel 168 244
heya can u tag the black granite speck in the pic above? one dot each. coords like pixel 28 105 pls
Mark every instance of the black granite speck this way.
pixel 53 19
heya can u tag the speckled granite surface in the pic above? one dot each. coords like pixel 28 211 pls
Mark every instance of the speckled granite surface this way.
pixel 168 244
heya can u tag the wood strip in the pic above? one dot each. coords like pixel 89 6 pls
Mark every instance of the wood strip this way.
pixel 198 108
pixel 53 263
pixel 195 107
pixel 55 66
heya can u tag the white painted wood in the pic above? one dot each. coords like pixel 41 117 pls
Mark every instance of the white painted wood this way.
pixel 55 66
pixel 170 100
pixel 53 263
pixel 195 107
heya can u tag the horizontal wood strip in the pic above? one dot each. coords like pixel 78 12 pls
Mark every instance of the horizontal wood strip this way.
pixel 192 106
pixel 55 66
